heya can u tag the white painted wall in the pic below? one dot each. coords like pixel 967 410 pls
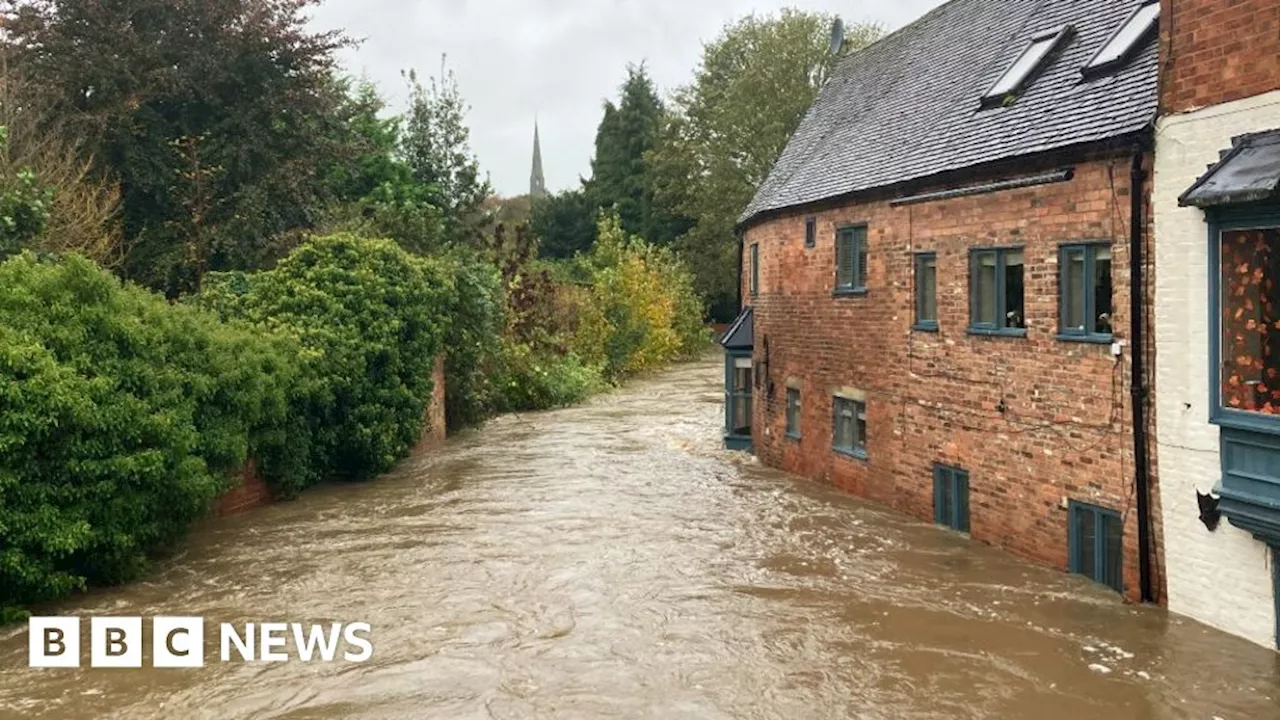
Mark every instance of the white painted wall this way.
pixel 1223 578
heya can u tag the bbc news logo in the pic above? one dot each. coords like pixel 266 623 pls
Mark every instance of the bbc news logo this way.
pixel 178 642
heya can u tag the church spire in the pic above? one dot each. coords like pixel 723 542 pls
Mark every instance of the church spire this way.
pixel 537 183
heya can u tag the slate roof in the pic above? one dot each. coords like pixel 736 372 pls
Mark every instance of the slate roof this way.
pixel 1248 172
pixel 907 107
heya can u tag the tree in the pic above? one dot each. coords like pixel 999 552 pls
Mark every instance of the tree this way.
pixel 373 185
pixel 566 223
pixel 620 180
pixel 215 115
pixel 436 147
pixel 725 130
pixel 83 211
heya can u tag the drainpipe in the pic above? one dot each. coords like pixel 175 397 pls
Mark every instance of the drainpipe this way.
pixel 1137 384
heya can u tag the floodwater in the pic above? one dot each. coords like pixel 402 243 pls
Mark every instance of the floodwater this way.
pixel 611 561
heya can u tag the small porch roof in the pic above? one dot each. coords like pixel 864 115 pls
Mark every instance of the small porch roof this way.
pixel 741 334
pixel 1248 172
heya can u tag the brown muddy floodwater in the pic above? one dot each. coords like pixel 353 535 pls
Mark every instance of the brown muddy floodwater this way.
pixel 611 561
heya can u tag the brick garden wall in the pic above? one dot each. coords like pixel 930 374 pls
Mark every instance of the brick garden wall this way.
pixel 1065 428
pixel 1215 51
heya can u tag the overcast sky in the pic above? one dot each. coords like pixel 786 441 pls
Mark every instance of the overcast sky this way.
pixel 558 59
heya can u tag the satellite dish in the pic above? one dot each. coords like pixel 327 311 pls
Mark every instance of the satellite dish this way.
pixel 837 36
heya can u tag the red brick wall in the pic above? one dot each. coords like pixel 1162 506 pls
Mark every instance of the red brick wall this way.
pixel 250 491
pixel 435 431
pixel 1215 51
pixel 1065 431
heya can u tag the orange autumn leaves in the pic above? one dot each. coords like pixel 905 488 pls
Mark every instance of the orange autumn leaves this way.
pixel 1251 324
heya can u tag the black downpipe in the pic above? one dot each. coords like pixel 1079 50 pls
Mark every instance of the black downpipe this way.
pixel 1137 384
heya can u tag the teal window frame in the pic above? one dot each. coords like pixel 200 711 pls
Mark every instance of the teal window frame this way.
pixel 755 269
pixel 1220 222
pixel 1088 291
pixel 919 264
pixel 739 398
pixel 859 414
pixel 951 497
pixel 810 232
pixel 1001 324
pixel 794 408
pixel 851 249
pixel 1249 442
pixel 1098 555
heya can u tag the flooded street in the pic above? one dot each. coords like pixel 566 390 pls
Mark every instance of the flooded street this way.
pixel 612 561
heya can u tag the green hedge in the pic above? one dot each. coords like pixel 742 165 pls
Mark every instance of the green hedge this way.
pixel 121 419
pixel 123 416
pixel 371 320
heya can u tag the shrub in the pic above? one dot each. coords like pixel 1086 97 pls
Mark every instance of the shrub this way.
pixel 123 417
pixel 531 380
pixel 371 319
pixel 641 309
pixel 474 342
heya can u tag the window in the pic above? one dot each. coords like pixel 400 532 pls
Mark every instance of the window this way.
pixel 851 260
pixel 1127 39
pixel 850 427
pixel 1249 313
pixel 755 269
pixel 926 291
pixel 810 232
pixel 1095 540
pixel 1019 74
pixel 1085 292
pixel 793 413
pixel 740 398
pixel 951 497
pixel 995 292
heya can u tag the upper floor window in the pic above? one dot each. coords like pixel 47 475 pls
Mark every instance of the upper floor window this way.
pixel 996 304
pixel 810 232
pixel 1140 26
pixel 926 272
pixel 755 269
pixel 1024 68
pixel 1249 320
pixel 1085 292
pixel 851 260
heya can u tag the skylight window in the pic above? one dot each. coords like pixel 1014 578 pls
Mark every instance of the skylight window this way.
pixel 1127 39
pixel 1016 77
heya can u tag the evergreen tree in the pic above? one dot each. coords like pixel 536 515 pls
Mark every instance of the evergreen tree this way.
pixel 620 179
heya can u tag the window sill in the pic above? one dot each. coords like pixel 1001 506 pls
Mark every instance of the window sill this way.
pixel 1244 420
pixel 995 332
pixel 794 436
pixel 1087 339
pixel 929 327
pixel 854 453
pixel 849 292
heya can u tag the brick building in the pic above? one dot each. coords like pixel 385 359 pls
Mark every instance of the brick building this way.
pixel 1217 308
pixel 939 273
